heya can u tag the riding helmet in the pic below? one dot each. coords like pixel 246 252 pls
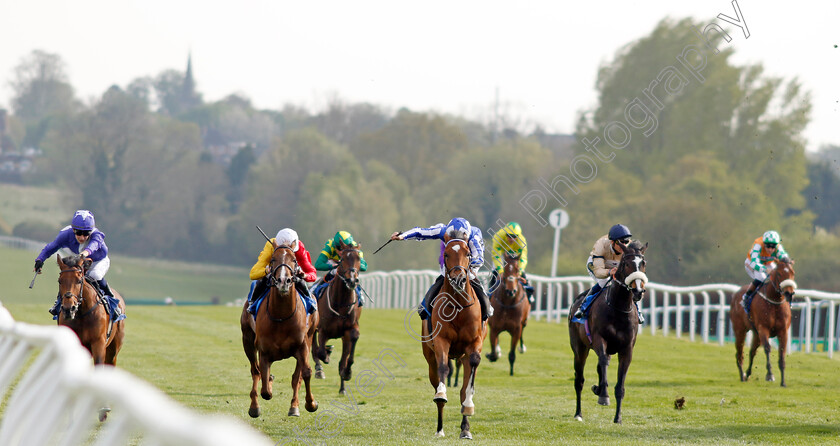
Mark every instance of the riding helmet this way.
pixel 513 229
pixel 459 226
pixel 772 237
pixel 287 237
pixel 83 220
pixel 618 232
pixel 343 238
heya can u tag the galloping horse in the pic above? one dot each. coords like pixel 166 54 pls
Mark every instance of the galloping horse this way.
pixel 769 317
pixel 86 313
pixel 511 308
pixel 613 324
pixel 457 332
pixel 340 313
pixel 281 329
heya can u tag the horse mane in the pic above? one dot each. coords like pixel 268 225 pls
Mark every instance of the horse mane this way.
pixel 635 245
pixel 72 260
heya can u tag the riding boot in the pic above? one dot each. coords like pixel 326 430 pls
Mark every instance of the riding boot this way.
pixel 486 308
pixel 360 296
pixel 113 303
pixel 57 307
pixel 104 287
pixel 529 289
pixel 433 291
pixel 258 287
pixel 639 312
pixel 300 285
pixel 746 301
pixel 583 310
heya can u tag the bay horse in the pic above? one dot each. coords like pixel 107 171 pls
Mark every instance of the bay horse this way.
pixel 88 314
pixel 281 329
pixel 769 317
pixel 611 328
pixel 458 332
pixel 510 310
pixel 340 313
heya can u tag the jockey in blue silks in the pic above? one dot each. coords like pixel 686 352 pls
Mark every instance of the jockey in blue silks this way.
pixel 456 228
pixel 84 238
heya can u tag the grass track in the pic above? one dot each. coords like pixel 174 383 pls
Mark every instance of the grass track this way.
pixel 194 354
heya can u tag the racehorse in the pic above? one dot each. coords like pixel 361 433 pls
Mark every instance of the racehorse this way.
pixel 611 328
pixel 511 308
pixel 281 329
pixel 340 313
pixel 769 317
pixel 87 313
pixel 457 332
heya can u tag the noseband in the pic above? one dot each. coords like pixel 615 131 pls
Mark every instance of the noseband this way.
pixel 456 268
pixel 272 279
pixel 80 298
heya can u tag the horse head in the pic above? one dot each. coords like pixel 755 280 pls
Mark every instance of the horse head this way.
pixel 782 279
pixel 631 269
pixel 349 265
pixel 71 283
pixel 456 262
pixel 283 266
pixel 511 274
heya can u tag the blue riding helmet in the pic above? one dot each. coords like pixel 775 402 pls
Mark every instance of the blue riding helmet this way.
pixel 83 220
pixel 618 232
pixel 459 226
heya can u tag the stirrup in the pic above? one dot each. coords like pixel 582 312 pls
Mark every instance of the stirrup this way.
pixel 578 314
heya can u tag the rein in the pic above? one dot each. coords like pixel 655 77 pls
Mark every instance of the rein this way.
pixel 459 268
pixel 777 288
pixel 349 284
pixel 272 282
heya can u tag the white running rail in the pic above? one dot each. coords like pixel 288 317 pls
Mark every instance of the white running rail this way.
pixel 697 311
pixel 57 396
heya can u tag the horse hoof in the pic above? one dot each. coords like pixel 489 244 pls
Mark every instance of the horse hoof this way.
pixel 294 412
pixel 467 411
pixel 440 434
pixel 319 374
pixel 312 407
pixel 578 418
pixel 265 395
pixel 440 397
pixel 103 414
pixel 254 412
pixel 491 357
pixel 522 348
pixel 466 435
pixel 596 390
pixel 770 378
pixel 342 392
pixel 604 400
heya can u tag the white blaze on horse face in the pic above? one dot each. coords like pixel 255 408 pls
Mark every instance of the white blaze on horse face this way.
pixel 456 248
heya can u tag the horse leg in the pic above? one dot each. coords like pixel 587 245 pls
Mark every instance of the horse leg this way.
pixel 782 337
pixel 522 348
pixel 764 335
pixel 348 350
pixel 495 350
pixel 306 373
pixel 248 337
pixel 319 371
pixel 294 406
pixel 753 348
pixel 581 353
pixel 740 337
pixel 441 353
pixel 97 350
pixel 457 371
pixel 515 336
pixel 603 361
pixel 434 379
pixel 624 359
pixel 470 363
pixel 265 373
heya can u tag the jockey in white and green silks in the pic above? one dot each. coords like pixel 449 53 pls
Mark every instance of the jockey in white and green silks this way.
pixel 766 249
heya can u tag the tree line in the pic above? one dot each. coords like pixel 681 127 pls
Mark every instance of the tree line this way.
pixel 725 162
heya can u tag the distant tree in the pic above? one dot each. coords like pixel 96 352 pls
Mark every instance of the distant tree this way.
pixel 40 87
pixel 823 193
pixel 237 173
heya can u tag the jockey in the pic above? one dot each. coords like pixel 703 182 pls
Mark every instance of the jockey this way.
pixel 765 250
pixel 306 272
pixel 510 239
pixel 457 227
pixel 82 237
pixel 328 261
pixel 602 264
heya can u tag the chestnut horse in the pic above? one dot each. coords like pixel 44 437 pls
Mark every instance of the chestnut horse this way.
pixel 511 308
pixel 457 332
pixel 86 313
pixel 281 329
pixel 613 325
pixel 769 317
pixel 340 313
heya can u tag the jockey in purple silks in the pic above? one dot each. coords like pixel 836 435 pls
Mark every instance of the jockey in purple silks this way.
pixel 456 228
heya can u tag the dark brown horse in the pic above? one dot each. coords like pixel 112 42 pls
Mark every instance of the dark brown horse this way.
pixel 612 327
pixel 281 329
pixel 511 308
pixel 86 313
pixel 457 332
pixel 340 313
pixel 769 317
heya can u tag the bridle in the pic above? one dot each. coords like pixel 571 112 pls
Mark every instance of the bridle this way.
pixel 350 278
pixel 512 277
pixel 634 282
pixel 458 275
pixel 283 286
pixel 772 278
pixel 78 298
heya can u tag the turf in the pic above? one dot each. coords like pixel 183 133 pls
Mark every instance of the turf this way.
pixel 194 354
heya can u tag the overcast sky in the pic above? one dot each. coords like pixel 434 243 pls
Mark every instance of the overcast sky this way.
pixel 450 56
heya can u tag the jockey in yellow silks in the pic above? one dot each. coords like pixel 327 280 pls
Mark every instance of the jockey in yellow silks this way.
pixel 509 239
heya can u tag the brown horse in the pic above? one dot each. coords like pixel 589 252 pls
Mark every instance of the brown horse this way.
pixel 613 324
pixel 340 313
pixel 86 313
pixel 457 332
pixel 769 317
pixel 511 308
pixel 281 329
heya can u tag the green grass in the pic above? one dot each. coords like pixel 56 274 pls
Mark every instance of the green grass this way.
pixel 136 279
pixel 30 203
pixel 194 354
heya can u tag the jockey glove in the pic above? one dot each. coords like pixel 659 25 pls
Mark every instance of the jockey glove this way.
pixel 38 265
